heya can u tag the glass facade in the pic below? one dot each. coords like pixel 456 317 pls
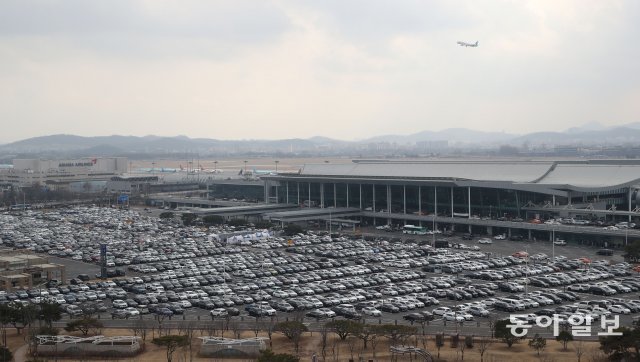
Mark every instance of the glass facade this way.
pixel 426 199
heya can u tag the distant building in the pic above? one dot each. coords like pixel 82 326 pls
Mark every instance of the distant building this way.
pixel 432 146
pixel 59 174
pixel 21 270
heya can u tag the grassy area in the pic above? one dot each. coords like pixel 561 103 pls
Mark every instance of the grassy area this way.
pixel 337 350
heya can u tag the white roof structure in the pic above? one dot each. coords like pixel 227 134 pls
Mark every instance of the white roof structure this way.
pixel 592 175
pixel 480 171
pixel 582 175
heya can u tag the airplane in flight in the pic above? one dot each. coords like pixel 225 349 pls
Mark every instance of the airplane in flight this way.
pixel 463 44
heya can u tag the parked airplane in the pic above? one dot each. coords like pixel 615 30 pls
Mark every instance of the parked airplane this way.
pixel 158 169
pixel 461 43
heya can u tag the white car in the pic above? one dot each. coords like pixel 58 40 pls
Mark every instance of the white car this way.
pixel 451 316
pixel 219 312
pixel 441 310
pixel 372 311
pixel 485 241
pixel 560 242
pixel 500 237
pixel 119 303
pixel 131 311
pixel 618 309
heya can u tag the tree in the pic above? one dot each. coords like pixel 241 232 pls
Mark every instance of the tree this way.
pixel 83 325
pixel 397 334
pixel 292 330
pixel 617 347
pixel 263 224
pixel 538 343
pixel 188 330
pixel 171 342
pixel 188 219
pixel 483 345
pixel 210 220
pixel 492 326
pixel 565 337
pixel 268 356
pixel 632 251
pixel 439 342
pixel 344 328
pixel 324 334
pixel 237 222
pixel 18 315
pixel 578 349
pixel 49 312
pixel 166 215
pixel 461 347
pixel 366 332
pixel 5 354
pixel 293 229
pixel 140 328
pixel 504 333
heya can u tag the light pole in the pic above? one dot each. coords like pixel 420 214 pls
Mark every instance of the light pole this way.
pixel 553 244
pixel 433 232
pixel 626 236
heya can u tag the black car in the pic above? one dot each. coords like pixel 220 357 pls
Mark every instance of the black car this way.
pixel 390 308
pixel 163 312
pixel 233 311
pixel 414 317
pixel 503 306
pixel 545 312
pixel 119 314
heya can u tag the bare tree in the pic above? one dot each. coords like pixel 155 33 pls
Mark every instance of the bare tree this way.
pixel 235 329
pixel 256 327
pixel 160 319
pixel 188 329
pixel 461 347
pixel 140 328
pixel 597 355
pixel 210 328
pixel 492 326
pixel 324 333
pixel 374 342
pixel 351 343
pixel 269 327
pixel 578 349
pixel 483 345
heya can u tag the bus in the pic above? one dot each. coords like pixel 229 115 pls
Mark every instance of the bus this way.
pixel 21 207
pixel 414 230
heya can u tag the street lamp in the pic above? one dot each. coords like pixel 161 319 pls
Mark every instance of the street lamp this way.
pixel 626 236
pixel 553 244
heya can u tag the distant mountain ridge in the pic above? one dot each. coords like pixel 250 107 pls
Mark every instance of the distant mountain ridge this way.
pixel 589 134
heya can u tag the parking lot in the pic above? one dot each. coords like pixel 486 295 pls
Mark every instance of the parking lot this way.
pixel 193 273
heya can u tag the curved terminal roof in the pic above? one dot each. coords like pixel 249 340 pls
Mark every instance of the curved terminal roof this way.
pixel 577 175
pixel 479 171
pixel 592 175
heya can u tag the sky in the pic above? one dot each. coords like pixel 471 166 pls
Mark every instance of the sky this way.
pixel 346 69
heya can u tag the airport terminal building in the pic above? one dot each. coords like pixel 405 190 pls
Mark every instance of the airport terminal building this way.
pixel 465 191
pixel 59 174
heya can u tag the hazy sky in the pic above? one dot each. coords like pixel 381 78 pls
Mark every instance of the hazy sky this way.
pixel 235 69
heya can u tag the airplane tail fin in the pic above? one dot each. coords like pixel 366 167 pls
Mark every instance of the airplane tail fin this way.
pixel 476 43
